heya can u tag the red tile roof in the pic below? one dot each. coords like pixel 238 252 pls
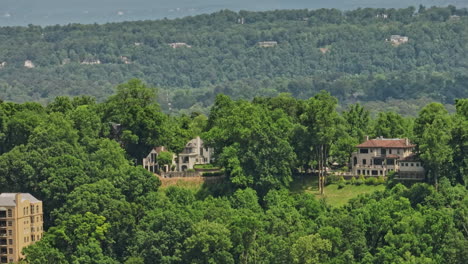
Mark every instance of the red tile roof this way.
pixel 386 143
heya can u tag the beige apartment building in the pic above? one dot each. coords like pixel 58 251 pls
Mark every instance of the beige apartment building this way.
pixel 378 157
pixel 21 220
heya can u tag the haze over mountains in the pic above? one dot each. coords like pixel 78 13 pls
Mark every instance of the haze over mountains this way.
pixel 51 12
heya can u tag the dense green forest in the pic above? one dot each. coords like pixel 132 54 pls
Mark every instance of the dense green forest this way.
pixel 101 208
pixel 342 52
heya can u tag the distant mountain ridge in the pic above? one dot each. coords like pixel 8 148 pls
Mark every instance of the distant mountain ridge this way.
pixel 51 12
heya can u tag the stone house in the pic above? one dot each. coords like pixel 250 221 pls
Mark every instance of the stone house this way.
pixel 397 39
pixel 151 161
pixel 175 45
pixel 28 64
pixel 378 157
pixel 267 44
pixel 194 153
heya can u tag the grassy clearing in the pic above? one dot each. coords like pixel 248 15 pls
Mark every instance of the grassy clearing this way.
pixel 192 183
pixel 333 196
pixel 338 197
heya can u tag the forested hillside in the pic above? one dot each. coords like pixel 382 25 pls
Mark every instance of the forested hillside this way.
pixel 345 53
pixel 101 208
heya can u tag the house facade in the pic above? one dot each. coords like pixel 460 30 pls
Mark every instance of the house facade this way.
pixel 21 224
pixel 411 168
pixel 380 156
pixel 151 161
pixel 194 153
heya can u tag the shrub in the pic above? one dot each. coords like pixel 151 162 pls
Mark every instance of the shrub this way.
pixel 213 173
pixel 371 181
pixel 341 185
pixel 205 166
pixel 332 178
pixel 352 181
pixel 380 180
pixel 360 180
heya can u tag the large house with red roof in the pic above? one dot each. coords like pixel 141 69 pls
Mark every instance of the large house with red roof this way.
pixel 380 156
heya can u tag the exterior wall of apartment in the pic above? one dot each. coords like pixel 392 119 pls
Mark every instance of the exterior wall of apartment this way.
pixel 24 226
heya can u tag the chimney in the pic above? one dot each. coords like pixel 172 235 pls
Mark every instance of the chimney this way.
pixel 367 138
pixel 406 141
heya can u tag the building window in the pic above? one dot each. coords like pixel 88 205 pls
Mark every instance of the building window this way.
pixel 412 164
pixel 398 151
pixel 390 151
pixel 10 232
pixel 37 208
pixel 364 161
pixel 10 223
pixel 10 213
pixel 417 164
pixel 358 171
pixel 10 251
pixel 364 151
pixel 10 241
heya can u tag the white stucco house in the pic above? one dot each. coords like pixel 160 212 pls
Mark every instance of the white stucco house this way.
pixel 378 157
pixel 194 153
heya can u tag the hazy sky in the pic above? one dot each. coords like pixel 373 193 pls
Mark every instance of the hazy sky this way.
pixel 48 12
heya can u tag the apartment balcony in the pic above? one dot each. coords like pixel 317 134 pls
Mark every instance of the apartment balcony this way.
pixel 3 242
pixel 3 251
pixel 3 224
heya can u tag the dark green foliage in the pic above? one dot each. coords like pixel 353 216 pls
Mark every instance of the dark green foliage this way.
pixel 358 62
pixel 101 208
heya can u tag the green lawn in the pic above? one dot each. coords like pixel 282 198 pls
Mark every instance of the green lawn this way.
pixel 333 196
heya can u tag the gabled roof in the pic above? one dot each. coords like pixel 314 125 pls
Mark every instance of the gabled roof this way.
pixel 160 149
pixel 386 143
